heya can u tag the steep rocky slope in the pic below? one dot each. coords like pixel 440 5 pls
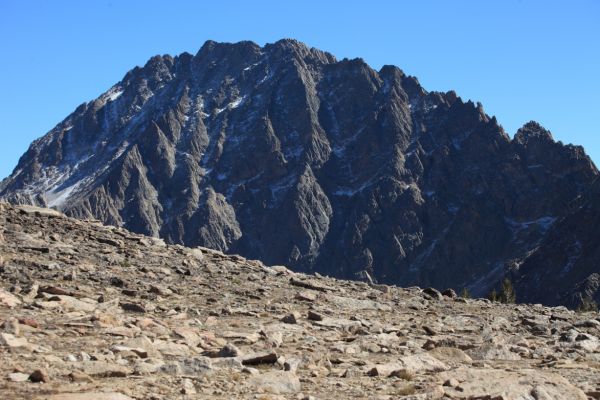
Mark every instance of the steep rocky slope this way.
pixel 95 312
pixel 284 154
pixel 569 253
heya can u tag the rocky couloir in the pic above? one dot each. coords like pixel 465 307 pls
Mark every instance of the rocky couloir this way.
pixel 96 312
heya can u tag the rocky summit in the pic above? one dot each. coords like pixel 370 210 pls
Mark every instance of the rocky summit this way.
pixel 93 312
pixel 285 154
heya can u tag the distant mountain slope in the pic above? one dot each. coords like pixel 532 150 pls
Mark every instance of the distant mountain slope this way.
pixel 565 268
pixel 284 154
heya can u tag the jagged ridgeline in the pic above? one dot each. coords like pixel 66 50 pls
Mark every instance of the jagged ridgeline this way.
pixel 285 154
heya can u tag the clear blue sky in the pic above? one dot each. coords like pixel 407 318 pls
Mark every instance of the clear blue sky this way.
pixel 522 59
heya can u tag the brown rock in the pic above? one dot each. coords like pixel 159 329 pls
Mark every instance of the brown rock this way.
pixel 29 322
pixel 266 357
pixel 39 375
pixel 314 316
pixel 132 307
pixel 54 290
pixel 291 318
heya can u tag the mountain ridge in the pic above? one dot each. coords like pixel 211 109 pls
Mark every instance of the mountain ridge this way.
pixel 351 170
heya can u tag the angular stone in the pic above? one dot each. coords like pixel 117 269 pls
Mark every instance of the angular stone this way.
pixel 423 362
pixel 308 285
pixel 45 212
pixel 171 349
pixel 78 376
pixel 196 366
pixel 306 295
pixel 141 353
pixel 501 384
pixel 87 396
pixel 433 293
pixel 450 355
pixel 276 382
pixel 588 323
pixel 266 357
pixel 9 340
pixel 54 290
pixel 292 365
pixel 103 369
pixel 229 350
pixel 188 387
pixel 39 375
pixel 385 370
pixel 357 304
pixel 9 300
pixel 18 377
pixel 29 322
pixel 291 318
pixel 190 336
pixel 132 307
pixel 11 326
pixel 314 316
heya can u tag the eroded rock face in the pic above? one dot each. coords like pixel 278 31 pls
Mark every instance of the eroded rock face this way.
pixel 96 312
pixel 569 253
pixel 284 154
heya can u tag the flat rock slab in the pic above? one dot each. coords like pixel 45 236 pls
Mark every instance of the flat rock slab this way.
pixel 9 299
pixel 499 384
pixel 87 396
pixel 267 357
pixel 450 355
pixel 46 212
pixel 276 382
pixel 357 304
pixel 422 363
pixel 102 369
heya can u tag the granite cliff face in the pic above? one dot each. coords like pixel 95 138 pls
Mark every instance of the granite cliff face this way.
pixel 284 154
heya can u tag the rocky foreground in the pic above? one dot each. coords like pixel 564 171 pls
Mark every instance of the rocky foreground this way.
pixel 95 312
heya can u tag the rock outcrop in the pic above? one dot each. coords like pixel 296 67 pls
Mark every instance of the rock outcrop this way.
pixel 284 154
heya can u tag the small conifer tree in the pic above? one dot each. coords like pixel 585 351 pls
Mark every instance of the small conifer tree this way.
pixel 464 293
pixel 507 295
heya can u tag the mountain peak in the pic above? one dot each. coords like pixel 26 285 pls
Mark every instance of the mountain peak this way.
pixel 532 130
pixel 220 49
pixel 291 47
pixel 281 153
